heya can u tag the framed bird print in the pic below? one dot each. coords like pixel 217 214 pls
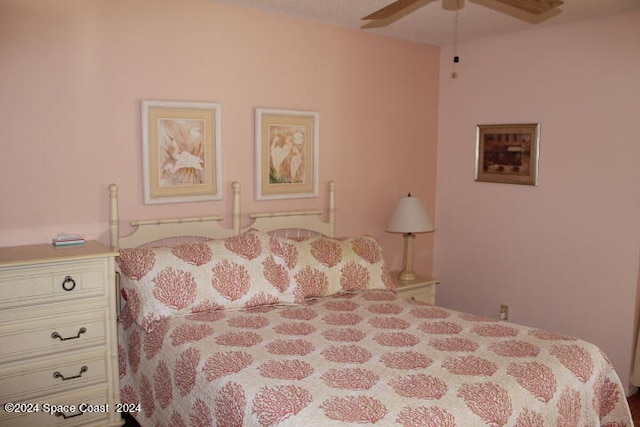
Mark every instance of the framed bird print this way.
pixel 181 151
pixel 286 154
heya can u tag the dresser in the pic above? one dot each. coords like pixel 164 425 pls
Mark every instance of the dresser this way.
pixel 58 343
pixel 421 288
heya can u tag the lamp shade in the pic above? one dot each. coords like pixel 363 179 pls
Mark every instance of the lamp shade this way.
pixel 410 217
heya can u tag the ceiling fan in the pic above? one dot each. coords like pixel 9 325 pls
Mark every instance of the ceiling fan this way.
pixel 535 7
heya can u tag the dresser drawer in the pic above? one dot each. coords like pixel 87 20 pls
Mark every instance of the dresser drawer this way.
pixel 52 334
pixel 53 375
pixel 95 396
pixel 22 286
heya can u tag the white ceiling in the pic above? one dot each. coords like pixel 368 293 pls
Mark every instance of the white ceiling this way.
pixel 433 21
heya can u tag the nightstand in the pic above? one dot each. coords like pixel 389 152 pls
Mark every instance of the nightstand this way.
pixel 421 289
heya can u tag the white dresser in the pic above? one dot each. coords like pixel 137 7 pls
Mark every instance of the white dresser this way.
pixel 58 344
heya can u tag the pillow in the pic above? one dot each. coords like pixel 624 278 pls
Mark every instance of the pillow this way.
pixel 232 273
pixel 322 266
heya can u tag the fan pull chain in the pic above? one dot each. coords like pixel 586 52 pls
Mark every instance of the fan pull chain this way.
pixel 456 58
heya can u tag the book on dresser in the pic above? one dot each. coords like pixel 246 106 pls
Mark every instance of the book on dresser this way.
pixel 58 344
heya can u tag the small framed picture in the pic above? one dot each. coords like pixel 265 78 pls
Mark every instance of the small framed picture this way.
pixel 286 154
pixel 181 152
pixel 508 153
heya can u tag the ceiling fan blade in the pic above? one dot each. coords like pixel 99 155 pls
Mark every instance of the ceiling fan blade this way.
pixel 391 9
pixel 536 7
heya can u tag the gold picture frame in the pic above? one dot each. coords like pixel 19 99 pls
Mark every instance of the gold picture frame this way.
pixel 181 151
pixel 508 153
pixel 286 154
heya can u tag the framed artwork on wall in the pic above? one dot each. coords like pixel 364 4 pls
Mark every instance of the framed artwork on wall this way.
pixel 508 153
pixel 181 151
pixel 286 154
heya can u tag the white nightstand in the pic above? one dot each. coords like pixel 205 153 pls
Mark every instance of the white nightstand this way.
pixel 421 289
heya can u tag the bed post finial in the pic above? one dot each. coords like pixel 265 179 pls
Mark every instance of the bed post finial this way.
pixel 332 206
pixel 114 216
pixel 236 207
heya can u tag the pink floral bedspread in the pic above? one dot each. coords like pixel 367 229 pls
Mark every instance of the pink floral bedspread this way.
pixel 369 358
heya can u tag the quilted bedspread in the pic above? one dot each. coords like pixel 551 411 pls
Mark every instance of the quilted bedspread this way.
pixel 368 358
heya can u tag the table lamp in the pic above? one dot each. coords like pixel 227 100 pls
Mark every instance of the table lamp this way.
pixel 409 217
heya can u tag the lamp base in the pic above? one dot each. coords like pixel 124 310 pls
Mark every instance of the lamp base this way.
pixel 407 273
pixel 407 276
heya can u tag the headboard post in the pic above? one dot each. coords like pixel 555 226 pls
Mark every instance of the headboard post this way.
pixel 114 217
pixel 236 207
pixel 332 207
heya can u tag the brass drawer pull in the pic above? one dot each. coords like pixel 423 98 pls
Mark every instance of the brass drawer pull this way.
pixel 66 417
pixel 68 284
pixel 57 374
pixel 81 331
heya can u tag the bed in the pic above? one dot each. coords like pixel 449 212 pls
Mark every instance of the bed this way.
pixel 282 324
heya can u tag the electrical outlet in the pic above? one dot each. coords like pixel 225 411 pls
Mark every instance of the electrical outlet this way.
pixel 504 312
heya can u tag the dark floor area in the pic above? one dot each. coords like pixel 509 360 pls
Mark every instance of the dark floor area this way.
pixel 129 421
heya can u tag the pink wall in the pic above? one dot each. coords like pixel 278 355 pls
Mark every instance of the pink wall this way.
pixel 73 73
pixel 564 254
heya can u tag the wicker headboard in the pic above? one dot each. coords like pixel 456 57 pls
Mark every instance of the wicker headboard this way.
pixel 288 223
